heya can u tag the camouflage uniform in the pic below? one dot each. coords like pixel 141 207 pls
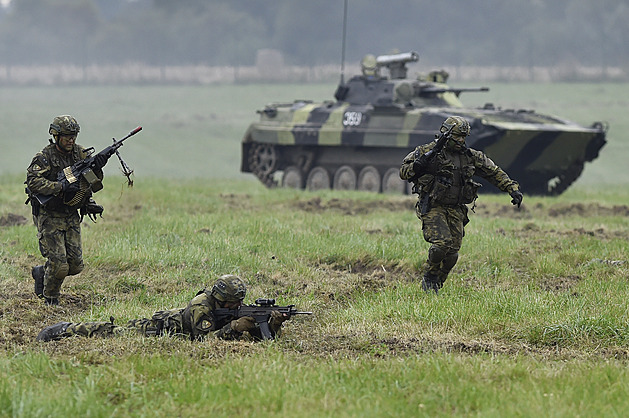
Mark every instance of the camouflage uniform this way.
pixel 58 225
pixel 195 321
pixel 445 186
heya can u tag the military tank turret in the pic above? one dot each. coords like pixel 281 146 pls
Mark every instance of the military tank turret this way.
pixel 358 140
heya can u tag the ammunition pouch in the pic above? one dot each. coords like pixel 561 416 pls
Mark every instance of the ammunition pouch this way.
pixel 75 196
pixel 422 206
pixel 440 189
pixel 84 185
pixel 469 192
pixel 423 187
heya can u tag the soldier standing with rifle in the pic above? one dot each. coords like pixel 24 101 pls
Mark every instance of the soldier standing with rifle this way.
pixel 441 173
pixel 59 182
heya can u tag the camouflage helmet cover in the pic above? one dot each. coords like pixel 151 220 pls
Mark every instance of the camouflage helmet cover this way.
pixel 229 288
pixel 461 126
pixel 64 125
pixel 369 65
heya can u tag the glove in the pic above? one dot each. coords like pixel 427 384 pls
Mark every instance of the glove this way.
pixel 418 168
pixel 64 184
pixel 91 209
pixel 246 323
pixel 67 187
pixel 516 197
pixel 430 167
pixel 277 318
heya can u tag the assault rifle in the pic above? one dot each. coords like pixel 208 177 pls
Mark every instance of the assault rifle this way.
pixel 422 160
pixel 261 312
pixel 83 172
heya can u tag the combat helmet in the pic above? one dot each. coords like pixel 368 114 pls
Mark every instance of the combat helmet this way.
pixel 229 288
pixel 461 126
pixel 369 66
pixel 64 125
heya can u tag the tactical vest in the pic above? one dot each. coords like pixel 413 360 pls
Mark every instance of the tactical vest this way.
pixel 58 161
pixel 452 185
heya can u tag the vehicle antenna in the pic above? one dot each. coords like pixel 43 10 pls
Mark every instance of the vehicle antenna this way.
pixel 342 89
pixel 343 46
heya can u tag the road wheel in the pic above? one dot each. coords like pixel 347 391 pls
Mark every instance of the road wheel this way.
pixel 392 183
pixel 318 179
pixel 369 179
pixel 344 178
pixel 293 178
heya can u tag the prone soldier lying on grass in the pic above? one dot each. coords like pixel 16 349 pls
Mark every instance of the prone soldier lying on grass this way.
pixel 215 311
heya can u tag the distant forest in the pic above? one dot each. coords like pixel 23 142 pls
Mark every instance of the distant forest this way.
pixel 230 32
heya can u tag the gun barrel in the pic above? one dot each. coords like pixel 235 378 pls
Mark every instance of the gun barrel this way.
pixel 130 134
pixel 457 91
pixel 135 131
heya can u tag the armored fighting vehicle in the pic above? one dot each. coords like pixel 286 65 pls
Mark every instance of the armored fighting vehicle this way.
pixel 358 140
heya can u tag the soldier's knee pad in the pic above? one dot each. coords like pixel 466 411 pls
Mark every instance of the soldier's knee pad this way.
pixel 436 254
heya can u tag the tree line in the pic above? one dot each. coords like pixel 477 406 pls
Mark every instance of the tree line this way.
pixel 219 32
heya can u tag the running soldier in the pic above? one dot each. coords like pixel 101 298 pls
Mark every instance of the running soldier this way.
pixel 445 186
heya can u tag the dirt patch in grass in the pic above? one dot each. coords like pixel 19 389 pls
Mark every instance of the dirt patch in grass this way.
pixel 396 204
pixel 331 283
pixel 353 207
pixel 356 345
pixel 11 219
pixel 588 210
pixel 554 211
pixel 560 284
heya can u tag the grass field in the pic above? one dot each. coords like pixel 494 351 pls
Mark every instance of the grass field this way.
pixel 533 320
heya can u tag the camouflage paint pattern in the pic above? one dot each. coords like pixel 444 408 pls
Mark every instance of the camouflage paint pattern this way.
pixel 378 121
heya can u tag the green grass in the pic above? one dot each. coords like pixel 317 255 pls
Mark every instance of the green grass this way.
pixel 532 321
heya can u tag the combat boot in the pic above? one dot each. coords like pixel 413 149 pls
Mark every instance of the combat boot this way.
pixel 38 275
pixel 431 283
pixel 53 332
